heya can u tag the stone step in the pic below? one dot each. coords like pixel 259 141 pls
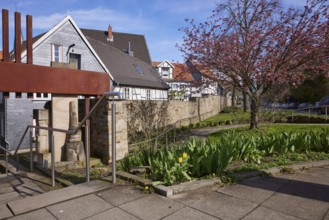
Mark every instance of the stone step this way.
pixel 17 187
pixel 39 201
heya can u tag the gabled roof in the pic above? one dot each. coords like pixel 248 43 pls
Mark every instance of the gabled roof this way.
pixel 127 69
pixel 158 64
pixel 203 71
pixel 180 71
pixel 40 38
pixel 120 41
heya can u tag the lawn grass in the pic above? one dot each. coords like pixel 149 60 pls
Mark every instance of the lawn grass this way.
pixel 273 128
pixel 223 117
pixel 244 117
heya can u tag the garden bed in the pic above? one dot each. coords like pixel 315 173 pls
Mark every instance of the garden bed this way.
pixel 232 151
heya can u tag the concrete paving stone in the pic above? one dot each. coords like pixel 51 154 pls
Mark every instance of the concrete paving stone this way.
pixel 248 193
pixel 268 183
pixel 6 189
pixel 28 190
pixel 224 206
pixel 9 195
pixel 191 214
pixel 327 216
pixel 4 211
pixel 22 181
pixel 79 208
pixel 120 194
pixel 152 207
pixel 193 185
pixel 297 206
pixel 261 213
pixel 188 198
pixel 113 214
pixel 41 214
pixel 52 197
pixel 3 185
pixel 6 179
pixel 305 189
pixel 34 176
pixel 318 176
pixel 10 200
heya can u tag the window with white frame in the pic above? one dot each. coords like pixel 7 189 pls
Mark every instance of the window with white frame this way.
pixel 56 53
pixel 41 96
pixel 148 94
pixel 165 72
pixel 127 93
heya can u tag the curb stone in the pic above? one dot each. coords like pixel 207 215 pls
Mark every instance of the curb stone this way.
pixel 168 191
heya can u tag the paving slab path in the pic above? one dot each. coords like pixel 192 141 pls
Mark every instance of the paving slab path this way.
pixel 300 195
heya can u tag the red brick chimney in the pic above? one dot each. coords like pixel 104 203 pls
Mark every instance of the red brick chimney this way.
pixel 109 34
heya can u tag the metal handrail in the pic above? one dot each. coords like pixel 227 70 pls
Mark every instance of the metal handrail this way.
pixel 74 131
pixel 94 108
pixel 309 109
pixel 172 126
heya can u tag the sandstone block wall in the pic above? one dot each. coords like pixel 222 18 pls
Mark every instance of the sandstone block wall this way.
pixel 179 111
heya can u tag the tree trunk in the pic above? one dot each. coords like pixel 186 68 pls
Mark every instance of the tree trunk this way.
pixel 233 97
pixel 254 111
pixel 244 96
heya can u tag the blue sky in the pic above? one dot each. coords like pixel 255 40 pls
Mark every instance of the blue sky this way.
pixel 158 20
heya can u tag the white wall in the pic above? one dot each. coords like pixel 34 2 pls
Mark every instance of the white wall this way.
pixel 141 93
pixel 66 35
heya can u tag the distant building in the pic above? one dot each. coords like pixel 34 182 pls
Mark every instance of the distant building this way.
pixel 127 58
pixel 66 46
pixel 186 80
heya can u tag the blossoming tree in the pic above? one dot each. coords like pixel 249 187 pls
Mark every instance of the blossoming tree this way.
pixel 255 44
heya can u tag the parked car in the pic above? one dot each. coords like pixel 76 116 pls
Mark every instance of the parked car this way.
pixel 322 103
pixel 293 105
pixel 304 105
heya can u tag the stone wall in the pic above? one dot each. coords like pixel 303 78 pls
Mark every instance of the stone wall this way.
pixel 178 111
pixel 185 113
pixel 101 131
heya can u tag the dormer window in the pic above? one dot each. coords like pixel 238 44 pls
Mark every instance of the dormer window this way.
pixel 165 72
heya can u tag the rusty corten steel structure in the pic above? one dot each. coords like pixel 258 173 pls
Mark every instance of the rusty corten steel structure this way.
pixel 19 77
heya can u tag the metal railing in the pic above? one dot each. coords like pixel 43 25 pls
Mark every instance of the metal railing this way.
pixel 155 139
pixel 311 111
pixel 70 132
pixel 172 127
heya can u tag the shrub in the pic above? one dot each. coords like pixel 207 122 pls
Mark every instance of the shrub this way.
pixel 230 109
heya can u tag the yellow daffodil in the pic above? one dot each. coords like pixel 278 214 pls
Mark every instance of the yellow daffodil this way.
pixel 180 159
pixel 184 155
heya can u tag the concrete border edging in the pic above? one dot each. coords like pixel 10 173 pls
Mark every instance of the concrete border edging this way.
pixel 168 191
pixel 297 166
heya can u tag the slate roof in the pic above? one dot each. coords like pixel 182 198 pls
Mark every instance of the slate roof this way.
pixel 123 67
pixel 120 41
